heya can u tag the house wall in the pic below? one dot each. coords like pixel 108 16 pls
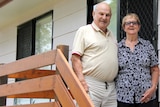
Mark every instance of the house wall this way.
pixel 8 48
pixel 66 24
pixel 68 16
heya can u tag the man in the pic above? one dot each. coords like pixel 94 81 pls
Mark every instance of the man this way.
pixel 94 58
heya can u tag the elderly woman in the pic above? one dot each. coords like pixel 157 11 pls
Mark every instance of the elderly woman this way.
pixel 137 79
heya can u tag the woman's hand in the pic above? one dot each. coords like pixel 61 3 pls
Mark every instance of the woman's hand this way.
pixel 148 94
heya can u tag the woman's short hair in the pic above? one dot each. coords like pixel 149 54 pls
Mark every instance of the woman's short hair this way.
pixel 130 15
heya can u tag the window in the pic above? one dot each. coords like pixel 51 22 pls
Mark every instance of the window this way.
pixel 34 37
pixel 43 34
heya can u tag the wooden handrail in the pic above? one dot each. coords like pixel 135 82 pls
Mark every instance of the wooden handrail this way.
pixel 52 104
pixel 32 74
pixel 39 83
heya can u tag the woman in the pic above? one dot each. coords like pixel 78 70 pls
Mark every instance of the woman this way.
pixel 137 79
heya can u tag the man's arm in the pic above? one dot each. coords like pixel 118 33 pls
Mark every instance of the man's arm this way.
pixel 77 67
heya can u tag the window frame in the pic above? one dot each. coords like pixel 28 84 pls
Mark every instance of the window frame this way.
pixel 22 42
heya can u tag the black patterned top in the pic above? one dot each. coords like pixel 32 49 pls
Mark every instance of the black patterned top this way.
pixel 134 76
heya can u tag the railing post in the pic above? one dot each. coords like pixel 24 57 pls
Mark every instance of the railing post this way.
pixel 3 80
pixel 64 49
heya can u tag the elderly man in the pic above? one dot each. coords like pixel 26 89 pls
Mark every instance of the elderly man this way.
pixel 94 58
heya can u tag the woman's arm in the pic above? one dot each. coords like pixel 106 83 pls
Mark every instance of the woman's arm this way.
pixel 155 77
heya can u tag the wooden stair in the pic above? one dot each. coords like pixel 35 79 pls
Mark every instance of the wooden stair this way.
pixel 60 84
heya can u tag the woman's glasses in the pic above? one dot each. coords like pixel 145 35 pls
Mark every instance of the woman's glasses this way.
pixel 131 23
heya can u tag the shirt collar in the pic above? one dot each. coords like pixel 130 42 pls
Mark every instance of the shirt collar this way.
pixel 97 29
pixel 122 43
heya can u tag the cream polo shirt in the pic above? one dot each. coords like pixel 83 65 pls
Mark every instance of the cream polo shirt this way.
pixel 98 52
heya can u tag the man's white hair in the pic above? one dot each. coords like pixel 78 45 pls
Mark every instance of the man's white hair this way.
pixel 95 6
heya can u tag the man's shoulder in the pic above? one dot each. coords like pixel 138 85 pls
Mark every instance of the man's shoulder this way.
pixel 85 27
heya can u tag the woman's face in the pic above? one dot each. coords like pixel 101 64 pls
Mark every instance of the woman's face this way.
pixel 131 26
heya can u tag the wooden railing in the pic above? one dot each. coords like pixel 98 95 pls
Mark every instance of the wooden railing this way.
pixel 60 84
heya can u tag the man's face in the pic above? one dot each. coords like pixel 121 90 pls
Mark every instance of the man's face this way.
pixel 102 16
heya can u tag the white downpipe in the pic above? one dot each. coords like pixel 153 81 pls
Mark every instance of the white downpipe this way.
pixel 159 43
pixel 159 26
